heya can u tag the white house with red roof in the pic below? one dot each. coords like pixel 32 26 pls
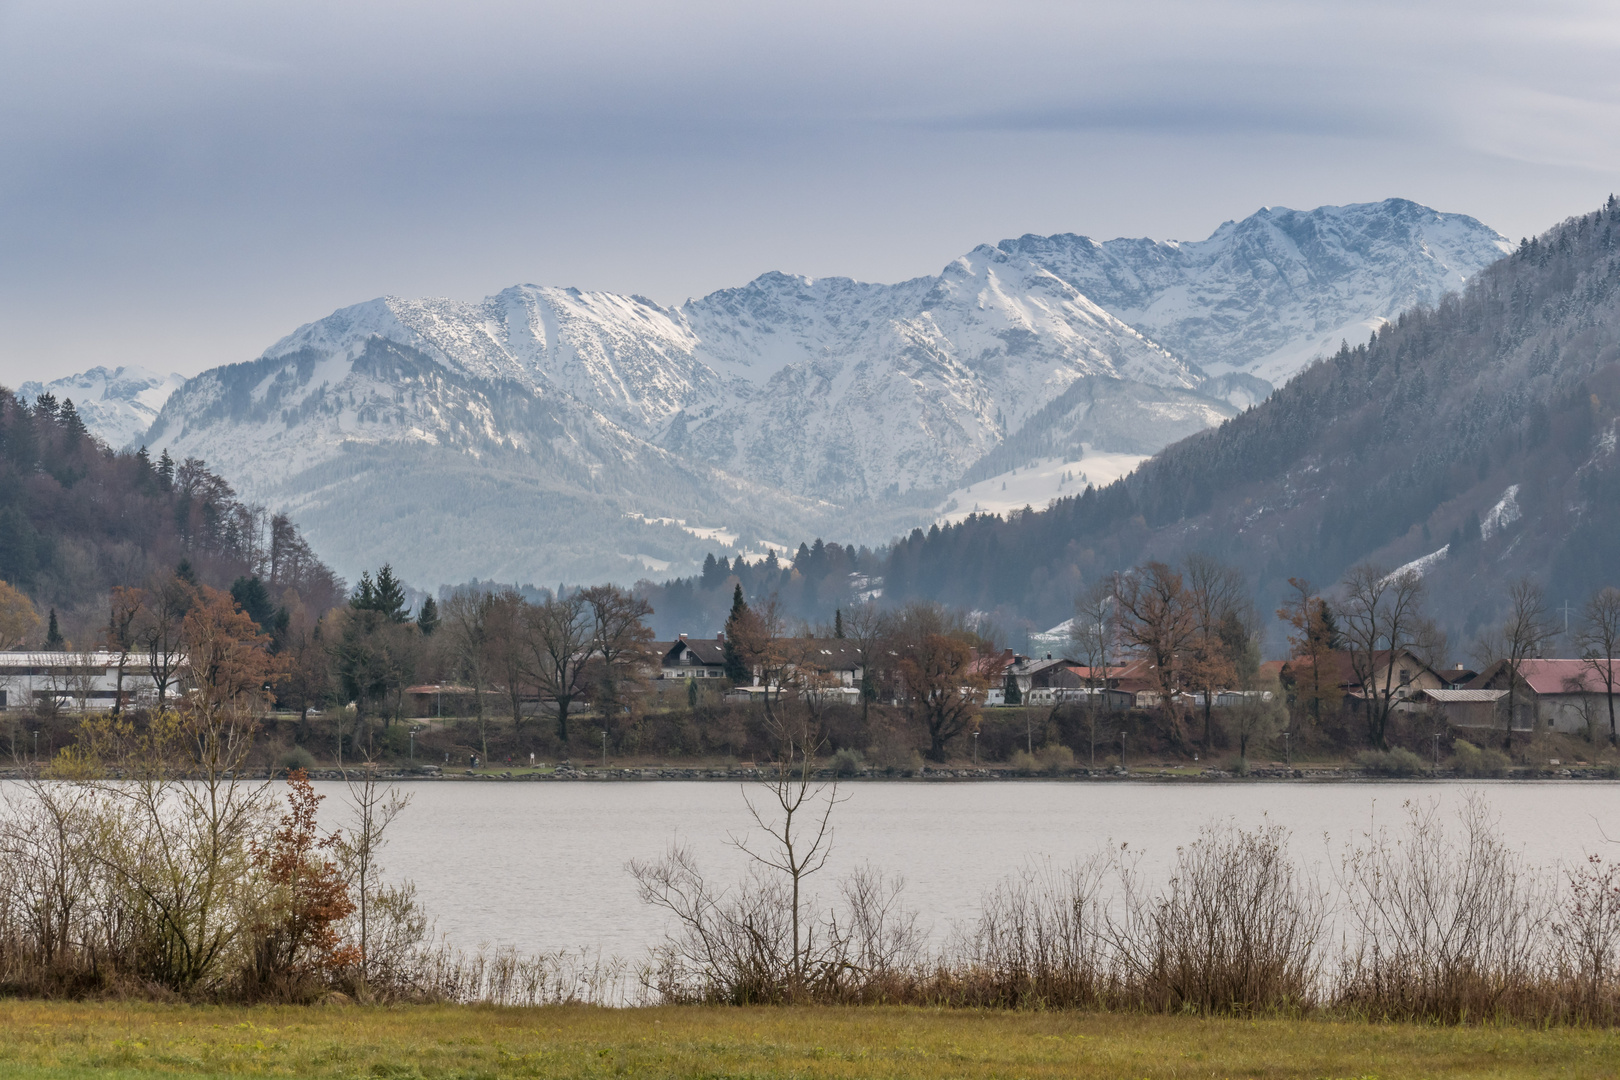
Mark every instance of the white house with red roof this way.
pixel 1561 695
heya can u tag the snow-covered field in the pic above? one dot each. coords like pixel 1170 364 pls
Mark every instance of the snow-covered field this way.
pixel 1036 485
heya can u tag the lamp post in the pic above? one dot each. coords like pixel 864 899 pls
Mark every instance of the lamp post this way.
pixel 975 749
pixel 1288 752
pixel 1437 751
pixel 604 748
pixel 413 746
pixel 36 746
pixel 1122 750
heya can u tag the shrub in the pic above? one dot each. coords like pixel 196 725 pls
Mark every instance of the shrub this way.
pixel 1025 762
pixel 1396 762
pixel 848 762
pixel 1471 760
pixel 297 758
pixel 1055 758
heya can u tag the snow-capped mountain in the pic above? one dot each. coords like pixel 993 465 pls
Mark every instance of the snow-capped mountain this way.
pixel 1266 295
pixel 117 405
pixel 544 433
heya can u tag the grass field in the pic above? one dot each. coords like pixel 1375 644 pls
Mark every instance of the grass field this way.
pixel 44 1039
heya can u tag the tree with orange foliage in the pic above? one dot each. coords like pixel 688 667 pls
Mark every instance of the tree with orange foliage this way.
pixel 296 937
pixel 1310 649
pixel 228 664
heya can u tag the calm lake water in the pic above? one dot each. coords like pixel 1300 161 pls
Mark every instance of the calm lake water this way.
pixel 542 865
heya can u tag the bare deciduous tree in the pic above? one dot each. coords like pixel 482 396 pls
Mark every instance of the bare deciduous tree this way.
pixel 1522 635
pixel 1216 599
pixel 1380 615
pixel 1598 638
pixel 1094 630
pixel 1156 624
pixel 559 641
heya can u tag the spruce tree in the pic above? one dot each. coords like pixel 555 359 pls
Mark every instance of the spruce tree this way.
pixel 254 600
pixel 365 594
pixel 838 623
pixel 427 620
pixel 389 599
pixel 53 636
pixel 736 670
pixel 165 470
pixel 185 573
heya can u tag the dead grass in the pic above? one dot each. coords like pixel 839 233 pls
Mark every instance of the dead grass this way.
pixel 55 1039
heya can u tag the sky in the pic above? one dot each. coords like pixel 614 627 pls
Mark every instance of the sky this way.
pixel 183 183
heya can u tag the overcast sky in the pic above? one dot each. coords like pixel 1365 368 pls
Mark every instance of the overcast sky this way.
pixel 182 183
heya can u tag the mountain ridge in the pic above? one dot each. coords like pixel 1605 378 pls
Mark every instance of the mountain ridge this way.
pixel 810 405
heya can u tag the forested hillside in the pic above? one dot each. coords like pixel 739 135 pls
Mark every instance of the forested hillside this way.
pixel 1479 436
pixel 77 518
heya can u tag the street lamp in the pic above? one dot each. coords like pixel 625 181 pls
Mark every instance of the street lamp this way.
pixel 1437 751
pixel 975 749
pixel 36 745
pixel 1288 753
pixel 1122 750
pixel 413 746
pixel 604 748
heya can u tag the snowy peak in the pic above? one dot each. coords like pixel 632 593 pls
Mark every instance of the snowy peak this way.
pixel 1266 295
pixel 117 404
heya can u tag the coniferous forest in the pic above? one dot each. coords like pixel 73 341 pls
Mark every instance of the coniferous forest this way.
pixel 77 519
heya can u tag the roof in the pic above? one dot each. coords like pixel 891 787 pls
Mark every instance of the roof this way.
pixel 1341 663
pixel 1462 697
pixel 1554 676
pixel 71 658
pixel 829 654
pixel 704 651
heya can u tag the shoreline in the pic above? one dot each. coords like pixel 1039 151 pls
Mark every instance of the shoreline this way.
pixel 700 774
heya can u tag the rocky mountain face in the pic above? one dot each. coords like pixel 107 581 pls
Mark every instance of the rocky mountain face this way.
pixel 118 405
pixel 1473 442
pixel 548 433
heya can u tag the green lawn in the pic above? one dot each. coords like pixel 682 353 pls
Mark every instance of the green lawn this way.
pixel 40 1039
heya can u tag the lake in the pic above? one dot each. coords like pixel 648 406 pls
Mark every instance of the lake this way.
pixel 542 865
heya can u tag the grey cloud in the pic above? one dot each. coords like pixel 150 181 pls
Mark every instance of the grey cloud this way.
pixel 182 182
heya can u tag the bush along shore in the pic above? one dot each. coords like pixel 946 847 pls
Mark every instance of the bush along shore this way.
pixel 181 879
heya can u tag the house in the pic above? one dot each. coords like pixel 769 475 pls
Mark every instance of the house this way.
pixel 77 681
pixel 698 658
pixel 1401 674
pixel 1559 695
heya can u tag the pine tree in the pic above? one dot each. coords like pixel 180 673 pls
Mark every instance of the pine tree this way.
pixel 365 594
pixel 165 470
pixel 53 636
pixel 736 670
pixel 838 623
pixel 254 600
pixel 390 596
pixel 427 620
pixel 713 572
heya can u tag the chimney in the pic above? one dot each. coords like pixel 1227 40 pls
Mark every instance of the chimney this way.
pixel 720 637
pixel 683 637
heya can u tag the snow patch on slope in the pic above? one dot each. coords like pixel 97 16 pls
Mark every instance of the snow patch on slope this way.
pixel 1500 516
